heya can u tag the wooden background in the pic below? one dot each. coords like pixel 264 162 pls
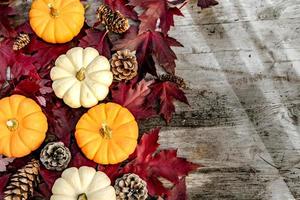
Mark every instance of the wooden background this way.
pixel 242 63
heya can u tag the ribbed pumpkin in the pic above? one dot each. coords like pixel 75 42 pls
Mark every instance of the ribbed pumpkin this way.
pixel 56 21
pixel 107 133
pixel 23 126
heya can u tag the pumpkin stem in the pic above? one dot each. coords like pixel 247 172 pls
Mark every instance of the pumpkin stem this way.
pixel 12 124
pixel 106 131
pixel 53 11
pixel 81 74
pixel 82 197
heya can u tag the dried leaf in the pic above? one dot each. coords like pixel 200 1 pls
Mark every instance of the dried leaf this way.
pixel 133 97
pixel 167 93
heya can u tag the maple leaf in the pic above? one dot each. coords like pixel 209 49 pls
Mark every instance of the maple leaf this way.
pixel 4 162
pixel 207 3
pixel 94 38
pixel 78 159
pixel 3 182
pixel 5 58
pixel 178 191
pixel 167 93
pixel 123 7
pixel 156 10
pixel 151 164
pixel 149 43
pixel 6 29
pixel 44 53
pixel 133 97
pixel 49 177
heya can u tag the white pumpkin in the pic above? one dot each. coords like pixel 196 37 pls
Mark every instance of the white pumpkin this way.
pixel 83 184
pixel 81 77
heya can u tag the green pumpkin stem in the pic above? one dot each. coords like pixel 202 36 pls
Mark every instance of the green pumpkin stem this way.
pixel 82 197
pixel 106 131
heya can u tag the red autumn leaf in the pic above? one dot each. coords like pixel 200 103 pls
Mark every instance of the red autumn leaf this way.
pixel 150 164
pixel 178 192
pixel 207 3
pixel 45 190
pixel 62 121
pixel 167 93
pixel 6 57
pixel 133 97
pixel 46 52
pixel 112 171
pixel 123 7
pixel 49 176
pixel 148 145
pixel 150 43
pixel 3 181
pixel 6 29
pixel 98 40
pixel 26 87
pixel 78 159
pixel 156 10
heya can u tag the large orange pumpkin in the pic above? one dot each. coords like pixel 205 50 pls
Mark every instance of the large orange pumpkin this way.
pixel 23 126
pixel 56 21
pixel 107 133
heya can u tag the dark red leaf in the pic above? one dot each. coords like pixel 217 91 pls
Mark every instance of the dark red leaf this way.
pixel 49 176
pixel 6 29
pixel 167 93
pixel 45 190
pixel 6 57
pixel 3 181
pixel 46 52
pixel 94 38
pixel 150 43
pixel 178 192
pixel 156 10
pixel 207 3
pixel 123 7
pixel 151 164
pixel 26 87
pixel 148 145
pixel 112 171
pixel 133 97
pixel 78 159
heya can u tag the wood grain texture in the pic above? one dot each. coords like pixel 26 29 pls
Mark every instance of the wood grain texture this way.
pixel 241 60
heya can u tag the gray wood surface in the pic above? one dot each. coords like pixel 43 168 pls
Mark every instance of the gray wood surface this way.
pixel 242 63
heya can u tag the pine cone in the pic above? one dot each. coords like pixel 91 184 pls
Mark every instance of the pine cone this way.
pixel 21 41
pixel 124 65
pixel 113 21
pixel 55 156
pixel 173 78
pixel 131 187
pixel 20 186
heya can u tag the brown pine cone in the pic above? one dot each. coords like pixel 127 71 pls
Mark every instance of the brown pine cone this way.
pixel 55 156
pixel 21 41
pixel 113 21
pixel 173 78
pixel 124 65
pixel 131 187
pixel 20 186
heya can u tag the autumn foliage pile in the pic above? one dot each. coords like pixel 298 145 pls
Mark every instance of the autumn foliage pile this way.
pixel 26 72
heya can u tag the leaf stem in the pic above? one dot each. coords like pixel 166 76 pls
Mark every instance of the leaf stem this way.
pixel 103 36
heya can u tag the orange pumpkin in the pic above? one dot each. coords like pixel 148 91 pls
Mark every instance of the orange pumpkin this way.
pixel 56 21
pixel 23 126
pixel 107 133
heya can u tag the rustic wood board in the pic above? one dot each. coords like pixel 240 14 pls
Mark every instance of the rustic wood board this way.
pixel 241 60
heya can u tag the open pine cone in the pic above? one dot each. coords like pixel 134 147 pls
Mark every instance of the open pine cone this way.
pixel 124 65
pixel 20 186
pixel 55 156
pixel 131 187
pixel 113 21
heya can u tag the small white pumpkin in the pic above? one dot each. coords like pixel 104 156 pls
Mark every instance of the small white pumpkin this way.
pixel 81 77
pixel 83 184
